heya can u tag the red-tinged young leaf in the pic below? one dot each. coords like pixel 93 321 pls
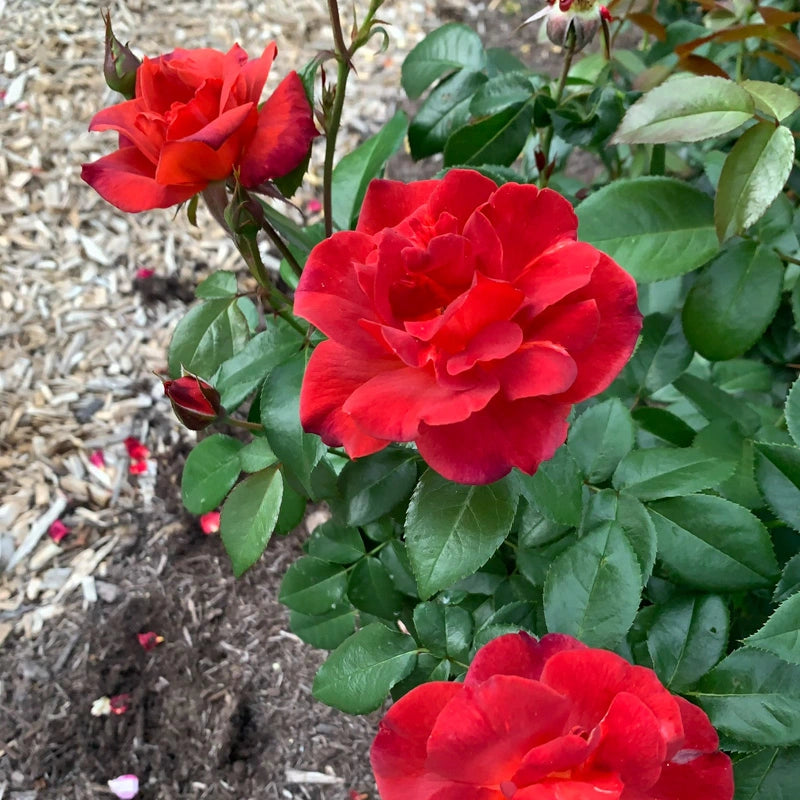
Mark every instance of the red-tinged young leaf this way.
pixel 648 23
pixel 752 177
pixel 777 16
pixel 781 37
pixel 701 66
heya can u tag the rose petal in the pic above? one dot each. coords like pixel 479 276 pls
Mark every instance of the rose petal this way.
pixel 126 787
pixel 386 203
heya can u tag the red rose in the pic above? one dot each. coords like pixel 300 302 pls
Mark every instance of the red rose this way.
pixel 548 720
pixel 195 402
pixel 194 119
pixel 463 317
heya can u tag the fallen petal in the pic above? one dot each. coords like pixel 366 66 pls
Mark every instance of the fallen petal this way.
pixel 125 787
pixel 138 467
pixel 119 703
pixel 210 522
pixel 137 450
pixel 101 707
pixel 149 640
pixel 98 459
pixel 144 273
pixel 57 531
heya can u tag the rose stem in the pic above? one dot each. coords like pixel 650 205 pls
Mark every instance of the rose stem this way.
pixel 240 423
pixel 562 82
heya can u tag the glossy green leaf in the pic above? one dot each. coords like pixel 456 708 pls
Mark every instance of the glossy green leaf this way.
pixel 713 403
pixel 753 697
pixel 312 586
pixel 497 139
pixel 358 675
pixel 370 589
pixel 445 109
pixel 593 588
pixel 356 169
pixel 256 455
pixel 556 488
pixel 686 110
pixel 445 630
pixel 789 582
pixel 753 175
pixel 373 486
pixel 781 632
pixel 654 227
pixel 664 424
pixel 249 516
pixel 733 301
pixel 448 48
pixel 669 472
pixel 337 543
pixel 210 471
pixel 280 416
pixel 792 411
pixel 395 558
pixel 600 438
pixel 687 637
pixel 500 92
pixel 772 98
pixel 210 334
pixel 453 530
pixel 770 774
pixel 325 631
pixel 217 285
pixel 778 476
pixel 730 543
pixel 239 376
pixel 662 355
pixel 293 509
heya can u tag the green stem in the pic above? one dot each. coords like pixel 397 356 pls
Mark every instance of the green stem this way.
pixel 547 138
pixel 790 259
pixel 240 423
pixel 257 211
pixel 331 132
pixel 282 306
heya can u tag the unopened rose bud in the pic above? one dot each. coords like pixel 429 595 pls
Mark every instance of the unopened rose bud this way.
pixel 149 640
pixel 210 522
pixel 195 402
pixel 126 787
pixel 120 65
pixel 559 24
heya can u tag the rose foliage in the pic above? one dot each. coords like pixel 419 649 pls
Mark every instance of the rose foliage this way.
pixel 465 318
pixel 548 720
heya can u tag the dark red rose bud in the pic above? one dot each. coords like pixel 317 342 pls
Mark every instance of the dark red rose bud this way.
pixel 541 161
pixel 120 65
pixel 195 402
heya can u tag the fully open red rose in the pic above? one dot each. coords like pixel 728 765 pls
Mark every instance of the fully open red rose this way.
pixel 195 118
pixel 548 720
pixel 463 317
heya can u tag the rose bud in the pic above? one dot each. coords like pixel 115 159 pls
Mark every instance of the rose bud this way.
pixel 195 402
pixel 57 531
pixel 119 703
pixel 120 65
pixel 210 522
pixel 149 640
pixel 126 787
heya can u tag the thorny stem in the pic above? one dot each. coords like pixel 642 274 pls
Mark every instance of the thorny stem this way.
pixel 547 138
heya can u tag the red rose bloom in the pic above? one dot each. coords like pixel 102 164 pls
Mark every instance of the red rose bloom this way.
pixel 463 317
pixel 193 120
pixel 548 720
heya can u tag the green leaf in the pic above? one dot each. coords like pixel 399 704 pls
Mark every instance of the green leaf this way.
pixel 311 586
pixel 599 439
pixel 654 227
pixel 556 488
pixel 373 486
pixel 778 476
pixel 326 631
pixel 210 471
pixel 662 355
pixel 371 589
pixel 217 285
pixel 792 411
pixel 497 139
pixel 789 582
pixel 593 588
pixel 249 516
pixel 712 402
pixel 453 530
pixel 445 109
pixel 337 543
pixel 753 175
pixel 687 638
pixel 753 697
pixel 733 301
pixel 445 630
pixel 211 333
pixel 355 170
pixel 633 519
pixel 293 509
pixel 280 416
pixel 448 48
pixel 781 632
pixel 500 92
pixel 668 472
pixel 730 543
pixel 686 110
pixel 359 674
pixel 256 455
pixel 771 98
pixel 771 774
pixel 239 376
pixel 665 425
pixel 395 558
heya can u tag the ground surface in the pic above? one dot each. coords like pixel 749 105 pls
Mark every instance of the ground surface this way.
pixel 222 708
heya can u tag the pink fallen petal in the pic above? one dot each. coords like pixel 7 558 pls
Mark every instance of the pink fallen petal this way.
pixel 144 273
pixel 137 450
pixel 98 459
pixel 138 467
pixel 314 206
pixel 210 522
pixel 119 703
pixel 57 531
pixel 149 640
pixel 126 787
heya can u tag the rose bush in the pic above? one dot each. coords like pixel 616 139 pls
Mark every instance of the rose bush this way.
pixel 463 317
pixel 548 720
pixel 194 119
